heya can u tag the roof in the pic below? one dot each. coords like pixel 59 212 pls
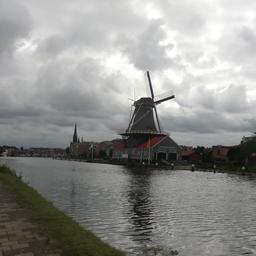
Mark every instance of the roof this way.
pixel 187 151
pixel 120 145
pixel 220 146
pixel 149 132
pixel 152 141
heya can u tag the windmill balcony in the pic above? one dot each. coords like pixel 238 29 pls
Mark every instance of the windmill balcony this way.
pixel 143 132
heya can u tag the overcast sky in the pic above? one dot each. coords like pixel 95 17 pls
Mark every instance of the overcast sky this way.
pixel 80 61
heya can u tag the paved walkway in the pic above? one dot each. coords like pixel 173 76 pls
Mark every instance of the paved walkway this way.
pixel 18 236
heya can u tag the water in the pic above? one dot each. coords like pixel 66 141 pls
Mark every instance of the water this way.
pixel 195 213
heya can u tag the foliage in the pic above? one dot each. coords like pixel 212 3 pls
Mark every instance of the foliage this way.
pixel 236 154
pixel 199 150
pixel 67 234
pixel 67 150
pixel 240 153
pixel 102 154
pixel 205 155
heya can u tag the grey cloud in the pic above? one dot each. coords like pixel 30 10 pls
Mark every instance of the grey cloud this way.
pixel 96 27
pixel 14 24
pixel 206 139
pixel 26 111
pixel 61 78
pixel 185 16
pixel 210 122
pixel 146 52
pixel 52 46
pixel 232 99
pixel 83 90
pixel 239 45
pixel 229 98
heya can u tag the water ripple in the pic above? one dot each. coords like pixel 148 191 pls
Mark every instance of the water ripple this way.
pixel 195 213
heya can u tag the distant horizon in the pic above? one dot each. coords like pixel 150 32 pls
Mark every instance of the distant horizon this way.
pixel 99 141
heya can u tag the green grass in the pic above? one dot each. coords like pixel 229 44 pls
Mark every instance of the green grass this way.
pixel 228 167
pixel 67 234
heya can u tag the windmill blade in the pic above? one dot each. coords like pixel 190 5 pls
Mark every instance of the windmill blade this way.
pixel 130 114
pixel 150 85
pixel 164 99
pixel 157 119
pixel 131 120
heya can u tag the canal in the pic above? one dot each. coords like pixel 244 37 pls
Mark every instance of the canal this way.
pixel 195 213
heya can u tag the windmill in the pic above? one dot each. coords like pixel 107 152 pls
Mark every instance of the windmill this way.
pixel 142 120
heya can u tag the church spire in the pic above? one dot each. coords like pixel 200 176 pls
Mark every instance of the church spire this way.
pixel 75 138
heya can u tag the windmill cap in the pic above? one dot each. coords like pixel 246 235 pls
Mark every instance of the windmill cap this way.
pixel 147 101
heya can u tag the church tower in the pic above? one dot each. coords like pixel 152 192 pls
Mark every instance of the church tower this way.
pixel 75 138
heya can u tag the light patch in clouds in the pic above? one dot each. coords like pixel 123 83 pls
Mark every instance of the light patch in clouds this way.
pixel 63 62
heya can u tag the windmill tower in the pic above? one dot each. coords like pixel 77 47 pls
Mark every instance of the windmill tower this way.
pixel 144 139
pixel 145 114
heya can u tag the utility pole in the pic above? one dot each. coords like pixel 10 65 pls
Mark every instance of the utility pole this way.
pixel 92 150
pixel 149 150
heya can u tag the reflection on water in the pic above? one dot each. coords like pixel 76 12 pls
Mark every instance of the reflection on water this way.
pixel 140 208
pixel 195 213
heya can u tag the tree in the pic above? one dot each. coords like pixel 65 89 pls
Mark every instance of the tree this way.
pixel 240 153
pixel 102 154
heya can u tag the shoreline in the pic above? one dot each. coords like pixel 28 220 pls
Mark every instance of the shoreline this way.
pixel 67 235
pixel 177 167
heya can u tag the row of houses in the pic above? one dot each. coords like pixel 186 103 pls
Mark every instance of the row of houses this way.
pixel 86 149
pixel 217 153
pixel 153 148
pixel 34 152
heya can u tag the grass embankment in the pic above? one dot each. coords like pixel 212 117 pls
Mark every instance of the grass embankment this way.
pixel 228 167
pixel 54 224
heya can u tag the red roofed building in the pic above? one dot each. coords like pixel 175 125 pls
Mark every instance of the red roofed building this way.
pixel 155 148
pixel 151 142
pixel 220 153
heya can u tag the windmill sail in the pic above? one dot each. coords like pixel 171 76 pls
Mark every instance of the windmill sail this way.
pixel 145 113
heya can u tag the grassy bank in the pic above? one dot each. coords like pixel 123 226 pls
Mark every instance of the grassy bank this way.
pixel 63 230
pixel 227 167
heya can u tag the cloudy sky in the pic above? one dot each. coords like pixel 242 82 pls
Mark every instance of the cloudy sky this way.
pixel 65 61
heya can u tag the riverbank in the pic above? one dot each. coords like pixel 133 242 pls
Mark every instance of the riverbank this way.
pixel 54 231
pixel 220 167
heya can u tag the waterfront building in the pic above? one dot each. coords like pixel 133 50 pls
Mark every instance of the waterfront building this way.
pixel 144 139
pixel 188 154
pixel 220 153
